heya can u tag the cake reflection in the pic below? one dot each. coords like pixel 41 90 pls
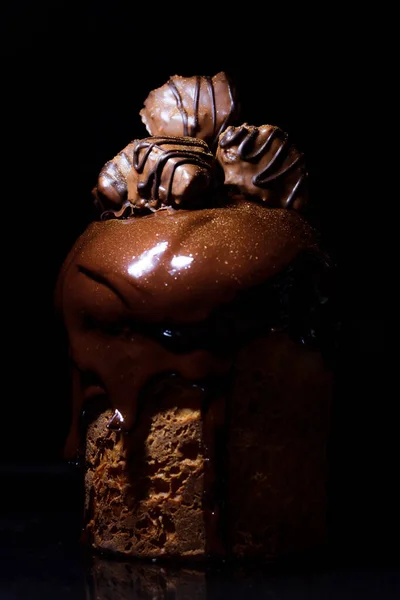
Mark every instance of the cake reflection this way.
pixel 119 580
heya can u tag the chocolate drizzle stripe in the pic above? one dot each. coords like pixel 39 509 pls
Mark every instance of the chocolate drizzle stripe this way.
pixel 232 135
pixel 260 181
pixel 292 195
pixel 140 164
pixel 213 103
pixel 180 106
pixel 249 141
pixel 157 142
pixel 246 140
pixel 249 138
pixel 150 187
pixel 279 150
pixel 186 160
pixel 255 155
pixel 194 129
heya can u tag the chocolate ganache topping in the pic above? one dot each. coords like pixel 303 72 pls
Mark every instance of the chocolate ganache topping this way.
pixel 175 250
pixel 200 107
pixel 125 279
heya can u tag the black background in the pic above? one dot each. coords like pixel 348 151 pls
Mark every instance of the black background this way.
pixel 74 77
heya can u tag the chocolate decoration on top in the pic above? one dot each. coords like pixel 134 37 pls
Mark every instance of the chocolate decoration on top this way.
pixel 199 106
pixel 171 171
pixel 153 173
pixel 260 162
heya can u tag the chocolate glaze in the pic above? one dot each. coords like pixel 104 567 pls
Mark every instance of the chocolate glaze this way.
pixel 260 162
pixel 169 267
pixel 199 106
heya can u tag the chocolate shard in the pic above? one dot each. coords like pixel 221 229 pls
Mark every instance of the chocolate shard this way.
pixel 199 106
pixel 261 163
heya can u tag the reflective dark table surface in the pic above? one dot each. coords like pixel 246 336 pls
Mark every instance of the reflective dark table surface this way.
pixel 41 557
pixel 56 572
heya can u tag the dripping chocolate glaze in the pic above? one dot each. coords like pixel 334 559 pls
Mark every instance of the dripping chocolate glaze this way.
pixel 199 106
pixel 260 162
pixel 171 266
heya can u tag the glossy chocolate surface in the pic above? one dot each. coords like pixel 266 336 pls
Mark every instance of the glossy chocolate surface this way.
pixel 170 268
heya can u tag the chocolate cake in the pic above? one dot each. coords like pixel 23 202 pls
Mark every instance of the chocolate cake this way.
pixel 198 309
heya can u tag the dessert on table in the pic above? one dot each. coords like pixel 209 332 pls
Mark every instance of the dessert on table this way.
pixel 198 310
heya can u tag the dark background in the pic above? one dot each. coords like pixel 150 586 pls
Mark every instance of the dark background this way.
pixel 74 77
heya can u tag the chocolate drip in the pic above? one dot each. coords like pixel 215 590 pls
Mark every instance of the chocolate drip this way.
pixel 126 211
pixel 101 267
